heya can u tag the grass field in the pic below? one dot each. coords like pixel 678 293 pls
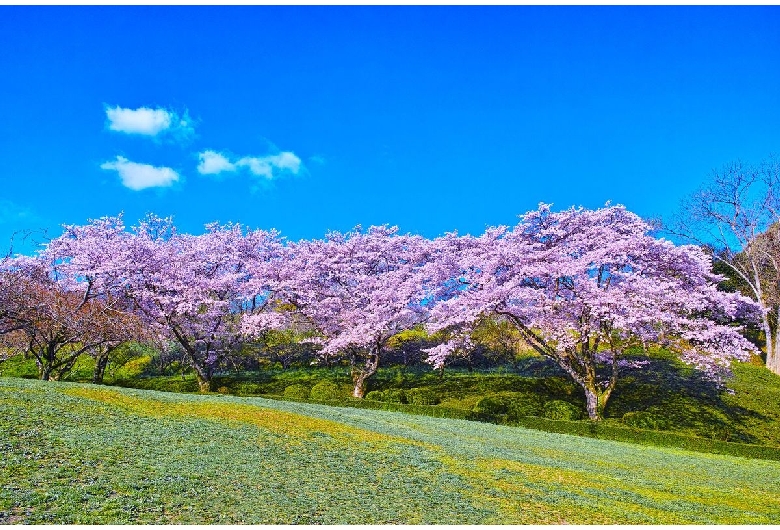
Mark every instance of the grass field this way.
pixel 663 404
pixel 77 453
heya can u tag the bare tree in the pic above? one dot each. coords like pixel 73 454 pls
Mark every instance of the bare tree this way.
pixel 737 217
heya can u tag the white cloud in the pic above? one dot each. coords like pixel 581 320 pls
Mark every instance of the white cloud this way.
pixel 286 161
pixel 149 122
pixel 141 176
pixel 213 163
pixel 139 121
pixel 269 167
pixel 259 166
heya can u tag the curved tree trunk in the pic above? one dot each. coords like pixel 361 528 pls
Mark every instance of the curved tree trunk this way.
pixel 360 376
pixel 44 371
pixel 596 401
pixel 203 371
pixel 203 375
pixel 101 362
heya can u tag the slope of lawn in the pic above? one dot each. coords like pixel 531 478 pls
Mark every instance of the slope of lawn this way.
pixel 79 453
pixel 663 403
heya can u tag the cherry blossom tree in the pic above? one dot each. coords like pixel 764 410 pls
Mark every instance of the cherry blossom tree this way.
pixel 56 324
pixel 14 284
pixel 358 290
pixel 586 287
pixel 191 289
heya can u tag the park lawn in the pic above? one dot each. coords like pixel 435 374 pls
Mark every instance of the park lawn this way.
pixel 79 453
pixel 665 403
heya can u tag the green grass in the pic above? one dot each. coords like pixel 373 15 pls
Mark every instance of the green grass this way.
pixel 79 453
pixel 667 404
pixel 668 396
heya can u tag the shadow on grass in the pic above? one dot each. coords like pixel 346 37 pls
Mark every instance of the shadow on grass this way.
pixel 682 398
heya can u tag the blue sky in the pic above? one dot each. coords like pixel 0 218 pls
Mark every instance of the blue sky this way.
pixel 307 119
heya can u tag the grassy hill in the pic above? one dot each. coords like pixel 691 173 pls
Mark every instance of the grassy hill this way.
pixel 664 403
pixel 77 453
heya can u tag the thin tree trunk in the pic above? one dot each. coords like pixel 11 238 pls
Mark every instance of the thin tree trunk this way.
pixel 360 376
pixel 773 345
pixel 770 341
pixel 100 368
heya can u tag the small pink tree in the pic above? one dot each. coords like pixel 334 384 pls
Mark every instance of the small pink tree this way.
pixel 357 289
pixel 55 323
pixel 584 287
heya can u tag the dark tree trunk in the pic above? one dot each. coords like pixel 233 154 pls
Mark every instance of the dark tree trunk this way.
pixel 100 368
pixel 45 362
pixel 44 371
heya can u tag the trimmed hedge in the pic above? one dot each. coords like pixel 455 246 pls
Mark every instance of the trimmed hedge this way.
pixel 646 437
pixel 392 395
pixel 297 391
pixel 326 391
pixel 644 419
pixel 585 428
pixel 561 410
pixel 522 405
pixel 422 396
pixel 492 405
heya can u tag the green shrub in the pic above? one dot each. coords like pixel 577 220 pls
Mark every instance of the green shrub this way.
pixel 559 386
pixel 395 395
pixel 82 370
pixel 561 410
pixel 162 383
pixel 492 405
pixel 325 391
pixel 422 396
pixel 297 391
pixel 466 403
pixel 247 388
pixel 522 405
pixel 644 419
pixel 392 395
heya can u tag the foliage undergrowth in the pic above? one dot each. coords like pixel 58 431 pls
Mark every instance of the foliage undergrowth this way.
pixel 78 453
pixel 665 403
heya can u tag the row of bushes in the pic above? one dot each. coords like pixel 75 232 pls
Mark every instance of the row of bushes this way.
pixel 556 416
pixel 500 407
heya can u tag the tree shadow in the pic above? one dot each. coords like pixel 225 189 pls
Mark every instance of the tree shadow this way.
pixel 670 396
pixel 683 399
